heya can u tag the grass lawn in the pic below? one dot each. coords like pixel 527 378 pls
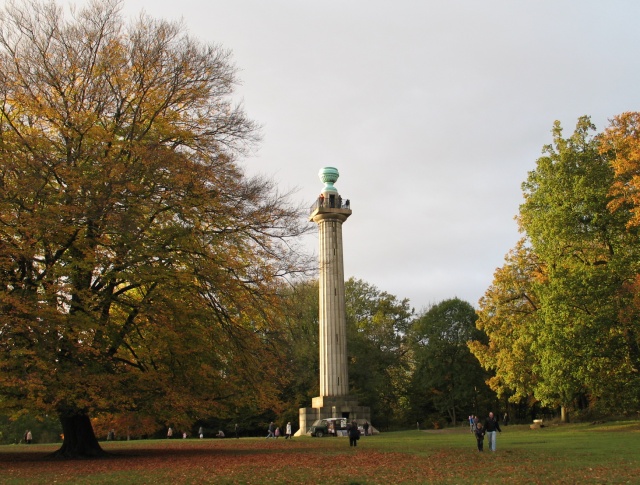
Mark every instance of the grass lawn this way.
pixel 564 454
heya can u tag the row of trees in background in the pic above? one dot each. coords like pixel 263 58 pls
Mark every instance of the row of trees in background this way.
pixel 406 367
pixel 562 314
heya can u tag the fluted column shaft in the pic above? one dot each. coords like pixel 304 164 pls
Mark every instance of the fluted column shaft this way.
pixel 334 377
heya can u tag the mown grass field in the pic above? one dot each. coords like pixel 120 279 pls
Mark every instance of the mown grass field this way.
pixel 564 454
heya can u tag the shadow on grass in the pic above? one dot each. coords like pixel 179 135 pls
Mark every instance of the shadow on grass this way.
pixel 176 451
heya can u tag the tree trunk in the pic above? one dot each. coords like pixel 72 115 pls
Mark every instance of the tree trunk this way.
pixel 79 439
pixel 564 417
pixel 451 412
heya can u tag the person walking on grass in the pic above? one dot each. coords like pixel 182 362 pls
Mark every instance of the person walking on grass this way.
pixel 354 434
pixel 271 430
pixel 491 425
pixel 287 434
pixel 479 432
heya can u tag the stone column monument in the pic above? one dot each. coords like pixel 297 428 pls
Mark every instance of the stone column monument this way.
pixel 330 211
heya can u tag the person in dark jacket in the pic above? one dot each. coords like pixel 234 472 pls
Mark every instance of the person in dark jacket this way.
pixel 479 432
pixel 271 430
pixel 354 434
pixel 491 425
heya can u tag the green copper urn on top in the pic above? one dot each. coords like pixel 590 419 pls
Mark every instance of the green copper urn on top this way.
pixel 329 176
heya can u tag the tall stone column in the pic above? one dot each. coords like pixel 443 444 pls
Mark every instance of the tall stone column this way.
pixel 329 212
pixel 334 377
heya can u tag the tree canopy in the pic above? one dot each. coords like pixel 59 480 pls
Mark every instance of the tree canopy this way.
pixel 447 375
pixel 564 304
pixel 139 265
pixel 377 324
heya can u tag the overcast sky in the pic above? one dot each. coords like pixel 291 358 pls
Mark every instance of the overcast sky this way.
pixel 432 111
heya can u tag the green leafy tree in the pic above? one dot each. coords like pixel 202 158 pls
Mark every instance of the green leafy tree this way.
pixel 446 371
pixel 508 315
pixel 377 324
pixel 582 351
pixel 300 341
pixel 562 307
pixel 139 266
pixel 44 429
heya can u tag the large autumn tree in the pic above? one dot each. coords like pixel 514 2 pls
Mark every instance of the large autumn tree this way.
pixel 139 265
pixel 621 142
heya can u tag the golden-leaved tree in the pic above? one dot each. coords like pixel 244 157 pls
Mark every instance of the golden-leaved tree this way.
pixel 621 140
pixel 139 265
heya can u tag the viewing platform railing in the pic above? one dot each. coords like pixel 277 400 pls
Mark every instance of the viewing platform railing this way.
pixel 328 203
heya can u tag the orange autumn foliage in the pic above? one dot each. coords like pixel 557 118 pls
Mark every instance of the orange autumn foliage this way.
pixel 621 140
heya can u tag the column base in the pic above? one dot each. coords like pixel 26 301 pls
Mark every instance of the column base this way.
pixel 332 407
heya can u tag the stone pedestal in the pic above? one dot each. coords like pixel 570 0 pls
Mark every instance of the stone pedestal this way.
pixel 332 407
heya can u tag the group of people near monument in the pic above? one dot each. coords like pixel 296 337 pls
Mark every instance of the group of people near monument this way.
pixel 170 434
pixel 353 431
pixel 490 427
pixel 219 434
pixel 274 431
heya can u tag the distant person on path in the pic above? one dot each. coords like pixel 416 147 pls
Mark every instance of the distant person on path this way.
pixel 287 433
pixel 354 434
pixel 365 426
pixel 479 432
pixel 236 430
pixel 169 432
pixel 277 433
pixel 28 437
pixel 491 425
pixel 271 430
pixel 506 419
pixel 201 432
pixel 220 434
pixel 472 423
